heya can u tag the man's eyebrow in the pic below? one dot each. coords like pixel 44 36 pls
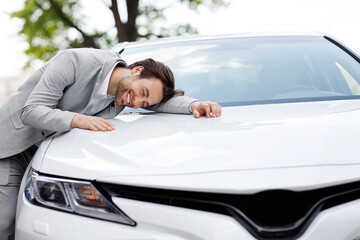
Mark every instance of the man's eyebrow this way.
pixel 147 92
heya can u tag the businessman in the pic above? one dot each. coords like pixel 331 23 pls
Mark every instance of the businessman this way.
pixel 79 88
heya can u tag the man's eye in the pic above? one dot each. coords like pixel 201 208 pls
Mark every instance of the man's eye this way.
pixel 145 104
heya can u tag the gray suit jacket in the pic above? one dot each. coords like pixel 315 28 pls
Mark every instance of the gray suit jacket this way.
pixel 49 99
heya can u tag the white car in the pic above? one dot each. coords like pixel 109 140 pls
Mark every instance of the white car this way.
pixel 282 162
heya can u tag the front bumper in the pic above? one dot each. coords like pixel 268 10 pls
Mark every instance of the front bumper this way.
pixel 156 221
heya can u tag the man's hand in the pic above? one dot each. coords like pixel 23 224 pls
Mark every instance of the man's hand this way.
pixel 209 109
pixel 91 123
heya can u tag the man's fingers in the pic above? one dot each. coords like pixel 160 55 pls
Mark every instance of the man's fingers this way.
pixel 92 127
pixel 196 114
pixel 91 123
pixel 209 109
pixel 109 125
pixel 216 110
pixel 212 109
pixel 101 127
pixel 105 125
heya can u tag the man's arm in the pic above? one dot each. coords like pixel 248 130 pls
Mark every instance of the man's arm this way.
pixel 176 104
pixel 187 105
pixel 39 110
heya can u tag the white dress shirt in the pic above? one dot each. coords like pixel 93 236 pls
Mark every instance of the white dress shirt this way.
pixel 101 99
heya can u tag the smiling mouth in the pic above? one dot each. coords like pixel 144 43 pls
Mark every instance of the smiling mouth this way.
pixel 128 98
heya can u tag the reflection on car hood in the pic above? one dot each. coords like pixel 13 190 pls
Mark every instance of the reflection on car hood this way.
pixel 250 142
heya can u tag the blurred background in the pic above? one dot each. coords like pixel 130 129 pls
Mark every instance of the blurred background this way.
pixel 32 31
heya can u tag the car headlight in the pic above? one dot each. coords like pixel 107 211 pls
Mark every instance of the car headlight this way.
pixel 79 197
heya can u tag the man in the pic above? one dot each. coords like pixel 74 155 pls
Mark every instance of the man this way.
pixel 79 89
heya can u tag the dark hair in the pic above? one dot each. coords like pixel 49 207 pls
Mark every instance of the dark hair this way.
pixel 159 70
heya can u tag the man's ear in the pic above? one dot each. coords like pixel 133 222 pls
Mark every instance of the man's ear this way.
pixel 137 70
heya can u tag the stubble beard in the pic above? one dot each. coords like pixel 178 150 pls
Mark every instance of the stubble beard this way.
pixel 124 86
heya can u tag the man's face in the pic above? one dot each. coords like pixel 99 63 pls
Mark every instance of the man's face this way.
pixel 138 92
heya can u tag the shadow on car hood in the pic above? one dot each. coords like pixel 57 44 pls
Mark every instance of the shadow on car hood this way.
pixel 245 139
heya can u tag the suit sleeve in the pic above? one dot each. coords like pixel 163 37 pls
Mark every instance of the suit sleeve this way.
pixel 177 104
pixel 40 109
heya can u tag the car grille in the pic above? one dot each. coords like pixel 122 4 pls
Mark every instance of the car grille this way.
pixel 273 214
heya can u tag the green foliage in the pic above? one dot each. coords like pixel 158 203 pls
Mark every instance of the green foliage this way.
pixel 53 25
pixel 43 27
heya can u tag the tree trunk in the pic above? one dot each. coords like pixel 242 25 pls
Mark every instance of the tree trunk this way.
pixel 118 24
pixel 133 12
pixel 126 31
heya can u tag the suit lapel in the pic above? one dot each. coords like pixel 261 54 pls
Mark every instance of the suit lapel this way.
pixel 106 68
pixel 111 111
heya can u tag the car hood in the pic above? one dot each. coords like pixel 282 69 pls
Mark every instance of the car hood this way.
pixel 294 144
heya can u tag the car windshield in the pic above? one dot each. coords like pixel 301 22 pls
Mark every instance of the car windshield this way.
pixel 257 70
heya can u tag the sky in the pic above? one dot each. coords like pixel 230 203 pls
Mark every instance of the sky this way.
pixel 337 18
